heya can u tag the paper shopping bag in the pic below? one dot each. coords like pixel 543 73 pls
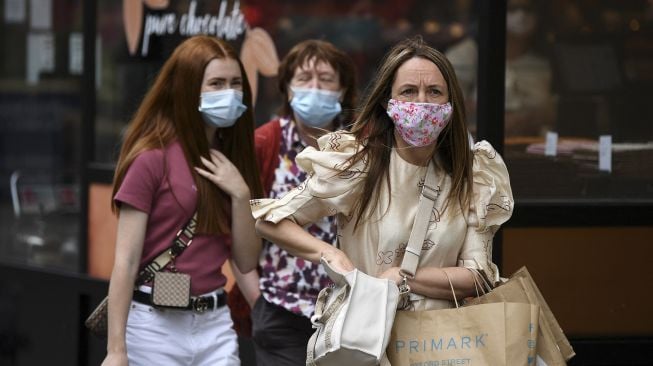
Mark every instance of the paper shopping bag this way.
pixel 553 347
pixel 497 334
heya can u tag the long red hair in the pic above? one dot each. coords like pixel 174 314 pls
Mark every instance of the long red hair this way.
pixel 169 112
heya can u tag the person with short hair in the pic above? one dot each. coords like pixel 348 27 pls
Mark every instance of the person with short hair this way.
pixel 317 82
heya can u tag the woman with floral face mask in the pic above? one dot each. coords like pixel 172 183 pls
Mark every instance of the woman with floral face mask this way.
pixel 317 84
pixel 188 149
pixel 371 178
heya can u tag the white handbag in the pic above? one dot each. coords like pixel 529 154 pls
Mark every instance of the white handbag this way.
pixel 354 317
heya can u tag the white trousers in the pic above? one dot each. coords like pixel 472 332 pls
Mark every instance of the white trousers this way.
pixel 180 337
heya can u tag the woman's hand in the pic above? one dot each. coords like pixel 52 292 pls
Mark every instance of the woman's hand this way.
pixel 116 359
pixel 392 274
pixel 338 260
pixel 225 175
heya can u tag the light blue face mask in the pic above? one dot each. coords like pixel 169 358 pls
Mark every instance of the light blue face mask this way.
pixel 315 107
pixel 222 108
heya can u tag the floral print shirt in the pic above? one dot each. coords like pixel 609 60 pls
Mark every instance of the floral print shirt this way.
pixel 285 280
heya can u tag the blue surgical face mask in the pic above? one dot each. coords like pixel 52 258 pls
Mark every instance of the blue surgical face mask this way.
pixel 315 107
pixel 222 108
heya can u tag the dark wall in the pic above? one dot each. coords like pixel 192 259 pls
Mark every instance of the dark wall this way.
pixel 42 316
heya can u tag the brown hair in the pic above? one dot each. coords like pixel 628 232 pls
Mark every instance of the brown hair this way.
pixel 169 111
pixel 374 129
pixel 320 51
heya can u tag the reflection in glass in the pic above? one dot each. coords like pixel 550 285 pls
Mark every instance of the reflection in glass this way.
pixel 364 29
pixel 40 128
pixel 588 75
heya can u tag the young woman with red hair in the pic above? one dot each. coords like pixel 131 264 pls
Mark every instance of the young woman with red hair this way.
pixel 188 149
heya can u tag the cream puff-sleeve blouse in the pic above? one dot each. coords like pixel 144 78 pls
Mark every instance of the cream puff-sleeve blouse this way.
pixel 455 237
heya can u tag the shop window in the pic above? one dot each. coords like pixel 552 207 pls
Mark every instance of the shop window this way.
pixel 134 45
pixel 578 91
pixel 135 38
pixel 40 89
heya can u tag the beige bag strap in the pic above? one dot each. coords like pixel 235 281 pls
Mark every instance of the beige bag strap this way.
pixel 428 197
pixel 310 352
pixel 322 313
pixel 182 240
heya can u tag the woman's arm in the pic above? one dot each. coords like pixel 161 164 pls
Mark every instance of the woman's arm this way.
pixel 247 282
pixel 301 243
pixel 246 245
pixel 428 281
pixel 129 246
pixel 432 281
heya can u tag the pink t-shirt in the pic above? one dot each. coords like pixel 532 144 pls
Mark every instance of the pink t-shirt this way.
pixel 149 187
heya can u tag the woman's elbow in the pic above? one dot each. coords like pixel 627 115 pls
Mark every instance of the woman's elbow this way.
pixel 260 226
pixel 245 260
pixel 246 265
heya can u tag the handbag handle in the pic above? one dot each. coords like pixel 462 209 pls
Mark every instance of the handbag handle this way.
pixel 452 290
pixel 322 311
pixel 477 285
pixel 480 282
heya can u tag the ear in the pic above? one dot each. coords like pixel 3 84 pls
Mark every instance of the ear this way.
pixel 289 93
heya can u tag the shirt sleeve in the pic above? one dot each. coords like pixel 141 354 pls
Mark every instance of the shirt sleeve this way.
pixel 142 181
pixel 491 205
pixel 327 189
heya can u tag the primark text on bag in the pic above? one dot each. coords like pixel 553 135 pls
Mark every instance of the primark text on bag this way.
pixel 497 334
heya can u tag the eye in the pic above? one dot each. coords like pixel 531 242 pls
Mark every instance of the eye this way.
pixel 407 91
pixel 303 77
pixel 327 77
pixel 217 83
pixel 435 91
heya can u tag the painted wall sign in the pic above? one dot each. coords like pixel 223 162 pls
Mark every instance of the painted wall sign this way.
pixel 227 24
pixel 258 52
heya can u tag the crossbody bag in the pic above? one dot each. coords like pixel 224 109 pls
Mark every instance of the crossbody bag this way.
pixel 169 289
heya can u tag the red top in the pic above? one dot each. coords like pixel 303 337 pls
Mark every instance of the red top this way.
pixel 170 200
pixel 268 140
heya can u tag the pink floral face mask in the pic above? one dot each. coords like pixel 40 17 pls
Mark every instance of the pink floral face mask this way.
pixel 419 124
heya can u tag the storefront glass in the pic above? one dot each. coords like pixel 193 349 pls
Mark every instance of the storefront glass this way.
pixel 40 114
pixel 135 43
pixel 579 78
pixel 41 85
